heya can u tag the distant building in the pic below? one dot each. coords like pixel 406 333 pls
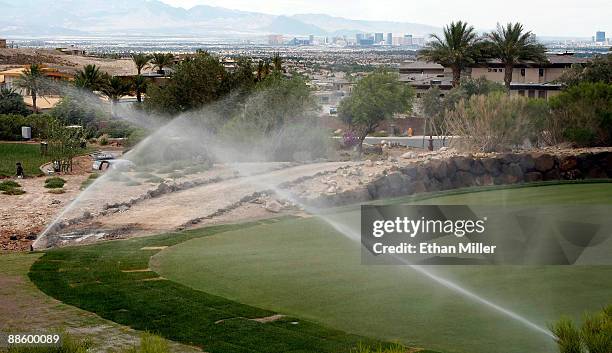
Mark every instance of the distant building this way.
pixel 408 39
pixel 378 38
pixel 311 39
pixel 298 41
pixel 275 39
pixel 600 36
pixel 2 43
pixel 529 79
pixel 72 50
pixel 389 39
pixel 359 37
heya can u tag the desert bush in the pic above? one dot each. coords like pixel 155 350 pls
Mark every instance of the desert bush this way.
pixel 150 344
pixel 54 183
pixel 492 123
pixel 103 140
pixel 56 191
pixel 582 114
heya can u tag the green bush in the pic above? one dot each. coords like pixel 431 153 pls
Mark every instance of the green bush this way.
pixel 150 344
pixel 595 335
pixel 13 191
pixel 9 184
pixel 10 126
pixel 54 183
pixel 583 114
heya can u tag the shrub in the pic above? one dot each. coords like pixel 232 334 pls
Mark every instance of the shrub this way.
pixel 13 191
pixel 492 123
pixel 54 183
pixel 583 114
pixel 57 191
pixel 150 344
pixel 103 140
pixel 595 335
pixel 9 184
pixel 10 126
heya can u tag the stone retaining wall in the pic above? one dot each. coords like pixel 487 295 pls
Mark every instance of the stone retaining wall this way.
pixel 465 171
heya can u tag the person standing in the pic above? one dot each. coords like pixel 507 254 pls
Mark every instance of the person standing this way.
pixel 20 174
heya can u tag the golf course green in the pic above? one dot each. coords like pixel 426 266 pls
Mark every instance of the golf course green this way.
pixel 306 268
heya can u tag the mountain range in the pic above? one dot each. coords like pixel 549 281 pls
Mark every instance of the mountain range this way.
pixel 153 17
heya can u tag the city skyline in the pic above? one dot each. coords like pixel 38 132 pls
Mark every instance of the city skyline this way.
pixel 562 18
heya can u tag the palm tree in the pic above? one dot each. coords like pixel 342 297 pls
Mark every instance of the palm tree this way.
pixel 115 88
pixel 32 80
pixel 141 61
pixel 90 77
pixel 161 60
pixel 512 45
pixel 455 49
pixel 140 85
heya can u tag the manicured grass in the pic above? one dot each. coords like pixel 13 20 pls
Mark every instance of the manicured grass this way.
pixel 306 268
pixel 98 278
pixel 28 154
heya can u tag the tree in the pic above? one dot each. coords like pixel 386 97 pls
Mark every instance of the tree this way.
pixel 140 84
pixel 12 102
pixel 90 77
pixel 162 60
pixel 375 98
pixel 512 45
pixel 277 62
pixel 583 114
pixel 32 80
pixel 116 88
pixel 598 70
pixel 194 83
pixel 141 61
pixel 594 336
pixel 455 49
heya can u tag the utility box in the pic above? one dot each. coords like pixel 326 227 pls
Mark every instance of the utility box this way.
pixel 26 132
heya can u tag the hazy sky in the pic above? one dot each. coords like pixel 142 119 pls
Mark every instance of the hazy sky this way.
pixel 544 17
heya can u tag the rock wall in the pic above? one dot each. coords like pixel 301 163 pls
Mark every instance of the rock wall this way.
pixel 466 171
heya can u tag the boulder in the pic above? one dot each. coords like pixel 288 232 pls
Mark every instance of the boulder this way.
pixel 409 155
pixel 273 206
pixel 526 162
pixel 513 171
pixel 463 163
pixel 596 173
pixel 439 169
pixel 372 149
pixel 492 166
pixel 533 176
pixel 552 174
pixel 543 162
pixel 568 163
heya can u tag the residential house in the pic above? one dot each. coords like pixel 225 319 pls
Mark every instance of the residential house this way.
pixel 532 79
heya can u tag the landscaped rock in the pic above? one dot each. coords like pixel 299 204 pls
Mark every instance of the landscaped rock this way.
pixel 527 162
pixel 463 163
pixel 543 162
pixel 533 176
pixel 513 171
pixel 439 169
pixel 409 155
pixel 596 173
pixel 568 163
pixel 552 174
pixel 492 165
pixel 273 206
